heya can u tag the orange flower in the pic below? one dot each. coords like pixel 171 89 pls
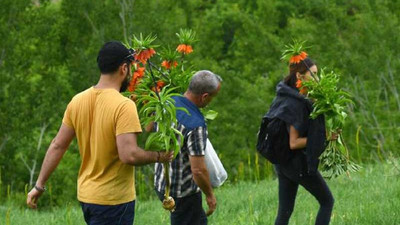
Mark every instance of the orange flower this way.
pixel 167 64
pixel 295 59
pixel 144 55
pixel 298 58
pixel 185 49
pixel 189 49
pixel 303 55
pixel 299 85
pixel 139 73
pixel 181 48
pixel 160 84
pixel 303 91
pixel 132 85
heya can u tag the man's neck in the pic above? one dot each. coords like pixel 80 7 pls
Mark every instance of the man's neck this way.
pixel 191 98
pixel 108 82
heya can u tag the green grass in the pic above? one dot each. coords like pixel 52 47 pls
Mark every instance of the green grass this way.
pixel 371 196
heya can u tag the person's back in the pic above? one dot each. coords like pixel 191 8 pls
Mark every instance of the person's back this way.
pixel 189 175
pixel 98 116
pixel 106 125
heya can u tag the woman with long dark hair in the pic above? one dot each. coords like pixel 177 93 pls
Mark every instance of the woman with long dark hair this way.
pixel 306 142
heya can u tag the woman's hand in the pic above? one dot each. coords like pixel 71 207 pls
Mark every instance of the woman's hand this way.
pixel 334 135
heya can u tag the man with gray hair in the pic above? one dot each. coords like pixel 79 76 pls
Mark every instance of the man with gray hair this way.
pixel 189 175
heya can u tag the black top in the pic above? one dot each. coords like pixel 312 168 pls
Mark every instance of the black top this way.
pixel 293 108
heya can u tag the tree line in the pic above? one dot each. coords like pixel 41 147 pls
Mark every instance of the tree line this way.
pixel 48 53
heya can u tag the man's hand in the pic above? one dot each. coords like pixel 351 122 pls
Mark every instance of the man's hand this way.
pixel 166 156
pixel 202 179
pixel 212 204
pixel 53 156
pixel 33 197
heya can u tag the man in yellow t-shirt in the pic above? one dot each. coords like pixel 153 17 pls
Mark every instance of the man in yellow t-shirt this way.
pixel 106 125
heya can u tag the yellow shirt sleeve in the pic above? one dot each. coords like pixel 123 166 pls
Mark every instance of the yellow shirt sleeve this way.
pixel 127 119
pixel 67 117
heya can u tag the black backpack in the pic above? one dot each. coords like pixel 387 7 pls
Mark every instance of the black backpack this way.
pixel 273 141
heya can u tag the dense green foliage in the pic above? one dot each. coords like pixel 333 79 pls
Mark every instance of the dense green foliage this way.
pixel 48 53
pixel 371 197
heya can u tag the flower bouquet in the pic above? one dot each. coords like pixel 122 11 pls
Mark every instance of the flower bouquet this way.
pixel 153 86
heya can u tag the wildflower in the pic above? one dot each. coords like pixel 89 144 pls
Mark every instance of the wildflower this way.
pixel 168 64
pixel 185 49
pixel 298 58
pixel 299 85
pixel 132 85
pixel 160 84
pixel 144 55
pixel 139 73
pixel 303 55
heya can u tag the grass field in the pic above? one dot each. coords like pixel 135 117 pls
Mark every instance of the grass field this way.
pixel 371 197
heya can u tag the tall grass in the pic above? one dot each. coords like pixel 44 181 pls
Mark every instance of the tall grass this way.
pixel 369 197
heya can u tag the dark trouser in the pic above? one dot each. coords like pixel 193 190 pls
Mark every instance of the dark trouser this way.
pixel 288 184
pixel 122 214
pixel 189 210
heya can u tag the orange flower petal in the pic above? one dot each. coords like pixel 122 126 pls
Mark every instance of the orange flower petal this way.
pixel 303 91
pixel 160 83
pixel 152 52
pixel 303 55
pixel 165 64
pixel 189 49
pixel 181 48
pixel 299 84
pixel 132 85
pixel 295 59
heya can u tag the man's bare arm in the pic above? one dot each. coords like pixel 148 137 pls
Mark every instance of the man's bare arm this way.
pixel 53 157
pixel 202 179
pixel 130 153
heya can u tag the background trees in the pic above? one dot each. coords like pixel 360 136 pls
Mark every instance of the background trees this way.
pixel 48 53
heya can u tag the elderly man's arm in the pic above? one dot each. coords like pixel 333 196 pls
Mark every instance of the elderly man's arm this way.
pixel 53 157
pixel 202 179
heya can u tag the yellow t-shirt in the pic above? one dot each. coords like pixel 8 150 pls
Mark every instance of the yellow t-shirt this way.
pixel 98 116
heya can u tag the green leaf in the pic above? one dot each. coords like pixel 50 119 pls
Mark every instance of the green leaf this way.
pixel 210 114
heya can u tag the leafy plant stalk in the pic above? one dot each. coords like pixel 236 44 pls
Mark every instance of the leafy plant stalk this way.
pixel 154 96
pixel 332 102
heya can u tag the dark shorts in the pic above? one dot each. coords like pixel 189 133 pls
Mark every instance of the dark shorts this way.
pixel 189 210
pixel 122 214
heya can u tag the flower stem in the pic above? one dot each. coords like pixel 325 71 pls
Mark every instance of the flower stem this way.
pixel 154 81
pixel 312 74
pixel 183 56
pixel 163 74
pixel 158 69
pixel 167 181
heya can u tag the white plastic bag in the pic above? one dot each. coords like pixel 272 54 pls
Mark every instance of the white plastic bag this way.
pixel 215 168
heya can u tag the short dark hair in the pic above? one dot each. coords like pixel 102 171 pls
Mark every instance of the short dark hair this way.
pixel 111 56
